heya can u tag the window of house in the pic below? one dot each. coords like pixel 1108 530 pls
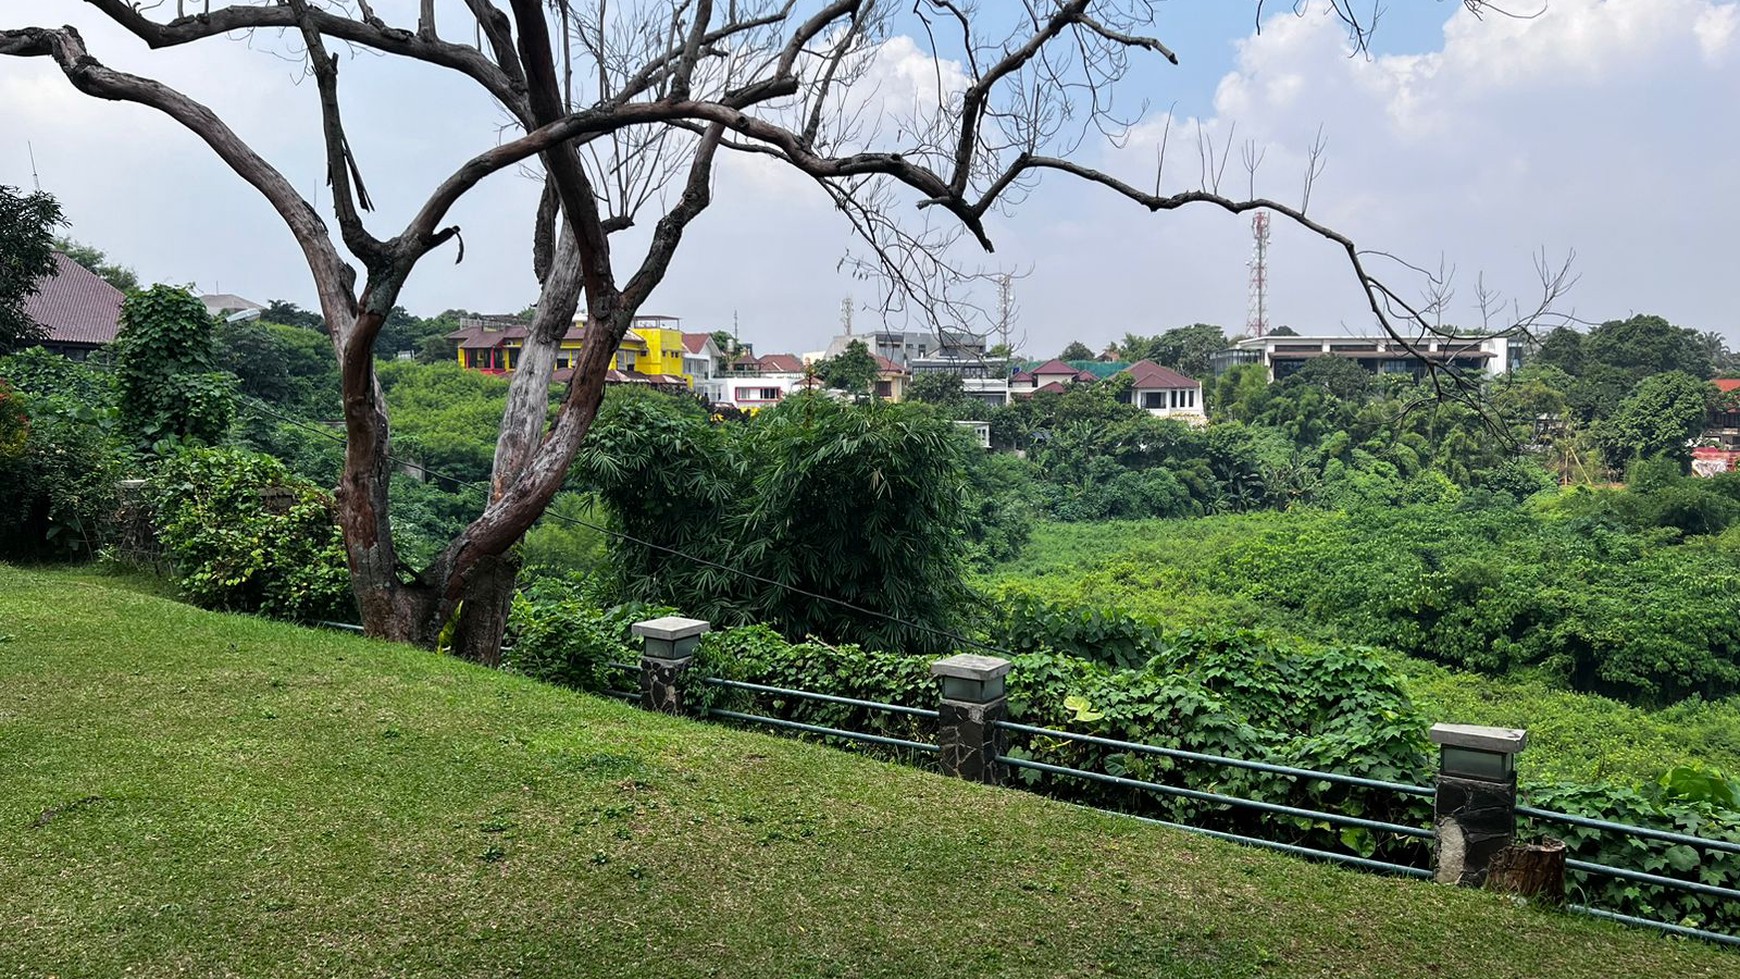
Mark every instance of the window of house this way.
pixel 1153 399
pixel 885 389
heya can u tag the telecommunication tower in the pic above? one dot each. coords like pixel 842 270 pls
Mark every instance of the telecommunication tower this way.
pixel 1258 322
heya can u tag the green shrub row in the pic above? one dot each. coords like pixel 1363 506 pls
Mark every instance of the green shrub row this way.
pixel 1233 693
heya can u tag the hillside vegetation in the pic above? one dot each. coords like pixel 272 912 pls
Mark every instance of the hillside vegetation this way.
pixel 1441 585
pixel 201 794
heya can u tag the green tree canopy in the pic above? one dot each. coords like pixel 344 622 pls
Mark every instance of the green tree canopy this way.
pixel 937 388
pixel 288 313
pixel 1660 416
pixel 853 371
pixel 27 224
pixel 1645 345
pixel 1076 351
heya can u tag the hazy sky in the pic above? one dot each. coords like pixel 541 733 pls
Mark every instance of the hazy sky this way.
pixel 1603 127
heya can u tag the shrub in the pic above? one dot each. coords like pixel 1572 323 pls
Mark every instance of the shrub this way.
pixel 59 463
pixel 244 534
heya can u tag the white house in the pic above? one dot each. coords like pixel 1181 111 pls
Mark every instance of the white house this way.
pixel 704 363
pixel 1165 393
pixel 757 382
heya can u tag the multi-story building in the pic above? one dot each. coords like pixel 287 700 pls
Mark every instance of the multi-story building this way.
pixel 758 382
pixel 704 364
pixel 1282 355
pixel 651 352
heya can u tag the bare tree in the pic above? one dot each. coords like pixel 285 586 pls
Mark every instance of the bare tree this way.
pixel 627 106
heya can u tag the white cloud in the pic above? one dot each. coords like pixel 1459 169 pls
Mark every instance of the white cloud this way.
pixel 1602 125
pixel 1599 126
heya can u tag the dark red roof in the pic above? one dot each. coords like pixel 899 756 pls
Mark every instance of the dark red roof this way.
pixel 1053 386
pixel 1151 375
pixel 1053 368
pixel 887 366
pixel 1087 377
pixel 784 363
pixel 75 306
pixel 696 342
pixel 1021 376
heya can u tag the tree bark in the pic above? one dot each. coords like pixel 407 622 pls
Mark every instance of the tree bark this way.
pixel 1533 870
pixel 483 611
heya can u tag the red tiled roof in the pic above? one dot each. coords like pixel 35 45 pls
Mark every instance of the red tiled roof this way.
pixel 1087 377
pixel 1726 384
pixel 1053 368
pixel 1151 375
pixel 887 366
pixel 1022 376
pixel 789 363
pixel 696 342
pixel 1054 387
pixel 75 306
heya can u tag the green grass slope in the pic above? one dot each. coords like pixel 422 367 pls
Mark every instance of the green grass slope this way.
pixel 183 793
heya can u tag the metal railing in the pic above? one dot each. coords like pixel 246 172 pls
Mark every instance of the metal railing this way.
pixel 1400 790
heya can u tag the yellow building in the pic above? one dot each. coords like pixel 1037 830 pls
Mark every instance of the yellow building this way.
pixel 650 353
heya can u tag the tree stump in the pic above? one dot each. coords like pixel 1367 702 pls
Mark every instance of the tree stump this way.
pixel 1532 870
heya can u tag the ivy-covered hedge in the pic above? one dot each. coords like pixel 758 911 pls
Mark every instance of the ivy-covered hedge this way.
pixel 245 534
pixel 1237 693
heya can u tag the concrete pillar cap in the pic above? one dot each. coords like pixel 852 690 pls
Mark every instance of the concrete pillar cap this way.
pixel 1499 740
pixel 671 628
pixel 971 666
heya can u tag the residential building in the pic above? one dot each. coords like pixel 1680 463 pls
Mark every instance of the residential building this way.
pixel 704 364
pixel 1164 393
pixel 652 352
pixel 1283 355
pixel 757 382
pixel 1718 449
pixel 1052 376
pixel 905 346
pixel 891 380
pixel 79 310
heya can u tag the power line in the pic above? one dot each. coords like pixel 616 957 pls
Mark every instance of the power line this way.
pixel 321 430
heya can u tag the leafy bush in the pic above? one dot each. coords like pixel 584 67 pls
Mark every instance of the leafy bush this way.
pixel 244 534
pixel 858 503
pixel 166 370
pixel 59 463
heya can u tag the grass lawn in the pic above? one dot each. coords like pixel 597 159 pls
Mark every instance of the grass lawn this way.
pixel 183 793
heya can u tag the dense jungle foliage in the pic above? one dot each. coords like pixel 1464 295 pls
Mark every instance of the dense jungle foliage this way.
pixel 1339 560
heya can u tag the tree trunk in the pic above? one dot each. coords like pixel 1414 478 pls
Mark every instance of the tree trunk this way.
pixel 1533 870
pixel 488 597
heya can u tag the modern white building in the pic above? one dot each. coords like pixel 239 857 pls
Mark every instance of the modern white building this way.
pixel 1283 355
pixel 758 382
pixel 1165 393
pixel 704 363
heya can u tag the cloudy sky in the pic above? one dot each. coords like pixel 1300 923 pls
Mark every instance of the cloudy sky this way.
pixel 1603 128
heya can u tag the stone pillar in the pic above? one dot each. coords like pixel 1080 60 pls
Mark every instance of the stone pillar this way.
pixel 972 704
pixel 1474 815
pixel 670 648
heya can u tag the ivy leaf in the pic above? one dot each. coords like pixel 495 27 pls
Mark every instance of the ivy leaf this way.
pixel 1682 857
pixel 1084 710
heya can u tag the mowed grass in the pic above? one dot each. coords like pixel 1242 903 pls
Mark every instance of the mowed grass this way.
pixel 184 793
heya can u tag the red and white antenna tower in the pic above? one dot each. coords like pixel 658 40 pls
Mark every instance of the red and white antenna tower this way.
pixel 1258 323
